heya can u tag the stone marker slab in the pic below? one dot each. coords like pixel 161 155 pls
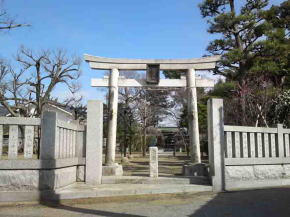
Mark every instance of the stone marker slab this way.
pixel 28 141
pixel 153 162
pixel 13 142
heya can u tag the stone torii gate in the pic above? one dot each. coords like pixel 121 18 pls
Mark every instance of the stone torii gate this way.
pixel 153 67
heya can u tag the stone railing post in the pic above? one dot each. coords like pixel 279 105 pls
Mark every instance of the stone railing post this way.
pixel 216 150
pixel 49 136
pixel 280 140
pixel 94 142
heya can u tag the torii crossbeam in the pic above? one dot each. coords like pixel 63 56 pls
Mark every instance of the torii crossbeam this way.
pixel 190 82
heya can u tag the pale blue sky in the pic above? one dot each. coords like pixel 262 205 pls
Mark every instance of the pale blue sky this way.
pixel 109 28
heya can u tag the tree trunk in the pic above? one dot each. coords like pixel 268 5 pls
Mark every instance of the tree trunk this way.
pixel 144 144
pixel 130 144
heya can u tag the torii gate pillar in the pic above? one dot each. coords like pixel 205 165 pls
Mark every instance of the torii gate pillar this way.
pixel 113 113
pixel 193 130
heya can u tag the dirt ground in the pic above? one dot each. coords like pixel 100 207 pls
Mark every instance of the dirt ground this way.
pixel 167 164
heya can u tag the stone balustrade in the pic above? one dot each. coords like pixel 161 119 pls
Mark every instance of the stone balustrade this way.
pixel 21 133
pixel 246 157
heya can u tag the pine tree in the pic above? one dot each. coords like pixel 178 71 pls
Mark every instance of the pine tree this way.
pixel 254 44
pixel 239 30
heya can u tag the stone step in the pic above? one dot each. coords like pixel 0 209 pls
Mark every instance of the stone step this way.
pixel 110 190
pixel 159 180
pixel 82 190
pixel 143 180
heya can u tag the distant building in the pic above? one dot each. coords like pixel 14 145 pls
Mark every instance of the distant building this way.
pixel 3 112
pixel 171 138
pixel 64 113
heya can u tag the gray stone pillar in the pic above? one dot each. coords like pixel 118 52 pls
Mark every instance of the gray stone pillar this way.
pixel 153 151
pixel 215 118
pixel 193 130
pixel 49 136
pixel 94 144
pixel 113 112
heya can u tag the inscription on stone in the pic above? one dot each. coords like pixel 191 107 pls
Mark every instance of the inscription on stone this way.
pixel 13 142
pixel 153 74
pixel 153 162
pixel 28 142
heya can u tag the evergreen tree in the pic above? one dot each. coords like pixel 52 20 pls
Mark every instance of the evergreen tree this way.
pixel 254 46
pixel 240 29
pixel 274 51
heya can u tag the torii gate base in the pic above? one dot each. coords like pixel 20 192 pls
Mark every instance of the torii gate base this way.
pixel 114 170
pixel 153 67
pixel 197 169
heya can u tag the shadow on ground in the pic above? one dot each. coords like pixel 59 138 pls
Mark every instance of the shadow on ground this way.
pixel 258 203
pixel 84 211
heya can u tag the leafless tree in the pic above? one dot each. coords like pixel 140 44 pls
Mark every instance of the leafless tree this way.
pixel 25 92
pixel 144 106
pixel 6 21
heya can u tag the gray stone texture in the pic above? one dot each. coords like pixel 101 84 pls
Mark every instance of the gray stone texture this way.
pixel 256 176
pixel 80 173
pixel 28 142
pixel 112 120
pixel 13 142
pixel 153 151
pixel 216 149
pixel 20 180
pixel 192 117
pixel 115 170
pixel 94 142
pixel 48 135
pixel 141 64
pixel 239 173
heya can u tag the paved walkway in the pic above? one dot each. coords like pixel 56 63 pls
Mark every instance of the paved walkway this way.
pixel 260 203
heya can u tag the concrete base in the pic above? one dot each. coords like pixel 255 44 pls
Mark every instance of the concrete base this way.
pixel 116 170
pixel 199 169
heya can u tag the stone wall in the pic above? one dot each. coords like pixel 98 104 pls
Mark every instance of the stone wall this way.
pixel 256 176
pixel 20 180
